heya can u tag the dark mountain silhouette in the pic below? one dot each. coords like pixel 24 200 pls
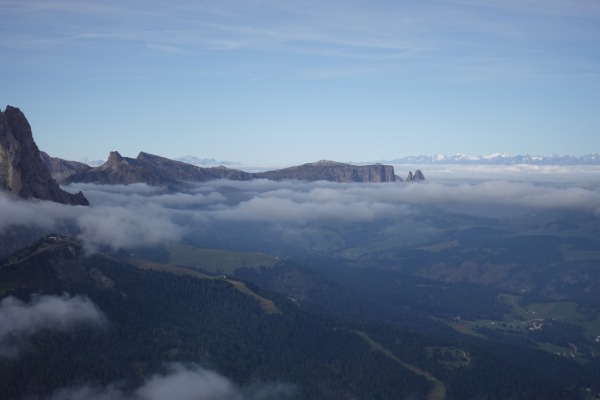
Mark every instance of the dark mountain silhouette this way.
pixel 22 170
pixel 152 170
pixel 325 170
pixel 159 171
pixel 417 176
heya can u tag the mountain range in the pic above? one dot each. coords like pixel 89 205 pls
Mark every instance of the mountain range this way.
pixel 460 159
pixel 498 159
pixel 29 172
pixel 160 171
pixel 205 162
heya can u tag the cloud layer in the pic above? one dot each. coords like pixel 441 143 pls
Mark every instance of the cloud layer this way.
pixel 181 383
pixel 137 215
pixel 19 320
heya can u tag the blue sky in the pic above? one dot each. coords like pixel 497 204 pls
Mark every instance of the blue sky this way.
pixel 286 82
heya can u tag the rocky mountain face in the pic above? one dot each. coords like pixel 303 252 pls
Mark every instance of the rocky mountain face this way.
pixel 159 171
pixel 61 169
pixel 22 170
pixel 334 172
pixel 152 170
pixel 28 172
pixel 417 176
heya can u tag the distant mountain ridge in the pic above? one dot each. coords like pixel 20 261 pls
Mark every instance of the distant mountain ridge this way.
pixel 499 159
pixel 159 171
pixel 61 169
pixel 28 172
pixel 334 172
pixel 205 162
pixel 152 170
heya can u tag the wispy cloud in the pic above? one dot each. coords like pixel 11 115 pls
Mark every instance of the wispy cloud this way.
pixel 166 48
pixel 19 320
pixel 182 382
pixel 557 7
pixel 128 216
pixel 116 225
pixel 457 31
pixel 80 7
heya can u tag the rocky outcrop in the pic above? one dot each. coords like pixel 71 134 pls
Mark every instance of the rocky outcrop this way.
pixel 152 170
pixel 181 172
pixel 417 176
pixel 22 170
pixel 334 172
pixel 61 169
pixel 159 171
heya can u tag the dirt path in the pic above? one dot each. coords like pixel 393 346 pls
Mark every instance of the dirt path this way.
pixel 437 392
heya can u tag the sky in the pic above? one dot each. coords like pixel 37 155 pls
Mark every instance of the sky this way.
pixel 277 83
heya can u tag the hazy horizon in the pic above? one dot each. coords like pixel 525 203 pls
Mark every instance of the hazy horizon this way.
pixel 443 166
pixel 123 216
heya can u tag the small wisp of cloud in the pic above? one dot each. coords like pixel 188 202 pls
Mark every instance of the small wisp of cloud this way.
pixel 181 382
pixel 19 320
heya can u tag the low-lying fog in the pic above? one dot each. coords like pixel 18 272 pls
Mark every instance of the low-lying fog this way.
pixel 126 216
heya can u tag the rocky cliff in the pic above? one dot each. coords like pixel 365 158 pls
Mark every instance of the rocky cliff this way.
pixel 417 176
pixel 61 169
pixel 152 170
pixel 22 170
pixel 159 171
pixel 334 172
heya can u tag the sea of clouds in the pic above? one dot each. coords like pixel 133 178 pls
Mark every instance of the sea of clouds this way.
pixel 136 215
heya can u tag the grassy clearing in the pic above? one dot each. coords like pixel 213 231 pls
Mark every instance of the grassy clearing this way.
pixel 592 328
pixel 578 255
pixel 562 310
pixel 522 319
pixel 519 316
pixel 449 357
pixel 561 351
pixel 567 312
pixel 465 327
pixel 268 306
pixel 435 248
pixel 217 261
pixel 172 269
pixel 515 328
pixel 517 309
